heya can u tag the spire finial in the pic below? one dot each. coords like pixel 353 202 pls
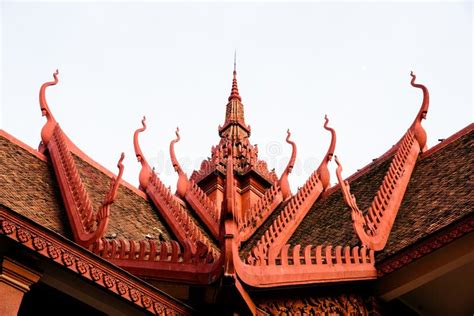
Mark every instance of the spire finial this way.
pixel 235 61
pixel 234 94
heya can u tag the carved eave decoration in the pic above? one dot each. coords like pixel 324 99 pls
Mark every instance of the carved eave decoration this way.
pixel 374 225
pixel 85 265
pixel 87 225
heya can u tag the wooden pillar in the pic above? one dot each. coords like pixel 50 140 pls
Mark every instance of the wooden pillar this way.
pixel 15 281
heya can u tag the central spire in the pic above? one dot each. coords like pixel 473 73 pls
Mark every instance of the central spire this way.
pixel 234 94
pixel 234 125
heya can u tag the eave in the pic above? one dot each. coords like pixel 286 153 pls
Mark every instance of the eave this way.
pixel 86 265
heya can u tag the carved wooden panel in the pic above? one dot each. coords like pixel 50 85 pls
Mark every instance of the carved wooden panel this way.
pixel 351 304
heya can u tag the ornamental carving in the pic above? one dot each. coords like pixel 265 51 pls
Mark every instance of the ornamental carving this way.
pixel 22 235
pixel 338 305
pixel 67 259
pixel 81 267
pixel 7 228
pixel 122 288
pixel 108 281
pixel 80 264
pixel 53 252
pixel 39 243
pixel 96 274
pixel 134 295
pixel 146 301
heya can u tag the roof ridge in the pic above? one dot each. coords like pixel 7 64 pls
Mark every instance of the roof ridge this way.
pixel 77 152
pixel 382 158
pixel 23 145
pixel 451 139
pixel 87 225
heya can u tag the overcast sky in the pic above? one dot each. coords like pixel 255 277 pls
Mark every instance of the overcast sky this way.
pixel 296 62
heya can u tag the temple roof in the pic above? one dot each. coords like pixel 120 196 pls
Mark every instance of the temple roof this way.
pixel 234 219
pixel 34 192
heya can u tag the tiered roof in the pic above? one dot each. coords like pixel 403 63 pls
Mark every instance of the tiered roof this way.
pixel 234 220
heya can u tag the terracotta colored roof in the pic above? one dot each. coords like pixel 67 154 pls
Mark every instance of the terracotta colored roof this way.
pixel 435 182
pixel 439 193
pixel 329 221
pixel 29 187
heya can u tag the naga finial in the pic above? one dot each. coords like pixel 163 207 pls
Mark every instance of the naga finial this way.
pixel 174 160
pixel 418 130
pixel 332 147
pixel 284 184
pixel 47 131
pixel 182 184
pixel 323 170
pixel 348 197
pixel 109 199
pixel 145 172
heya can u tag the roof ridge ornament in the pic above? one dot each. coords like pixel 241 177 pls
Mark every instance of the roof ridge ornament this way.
pixel 373 226
pixel 145 172
pixel 168 257
pixel 48 128
pixel 87 226
pixel 285 224
pixel 174 212
pixel 183 182
pixel 284 184
pixel 323 171
pixel 115 183
pixel 419 131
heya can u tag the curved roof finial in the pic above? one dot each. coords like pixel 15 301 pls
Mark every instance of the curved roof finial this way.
pixel 284 184
pixel 323 170
pixel 420 133
pixel 145 172
pixel 42 95
pixel 182 184
pixel 426 96
pixel 109 199
pixel 332 147
pixel 47 131
pixel 174 160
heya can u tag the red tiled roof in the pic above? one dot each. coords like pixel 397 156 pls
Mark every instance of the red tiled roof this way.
pixel 29 187
pixel 439 193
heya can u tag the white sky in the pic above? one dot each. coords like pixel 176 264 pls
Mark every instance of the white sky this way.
pixel 173 62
